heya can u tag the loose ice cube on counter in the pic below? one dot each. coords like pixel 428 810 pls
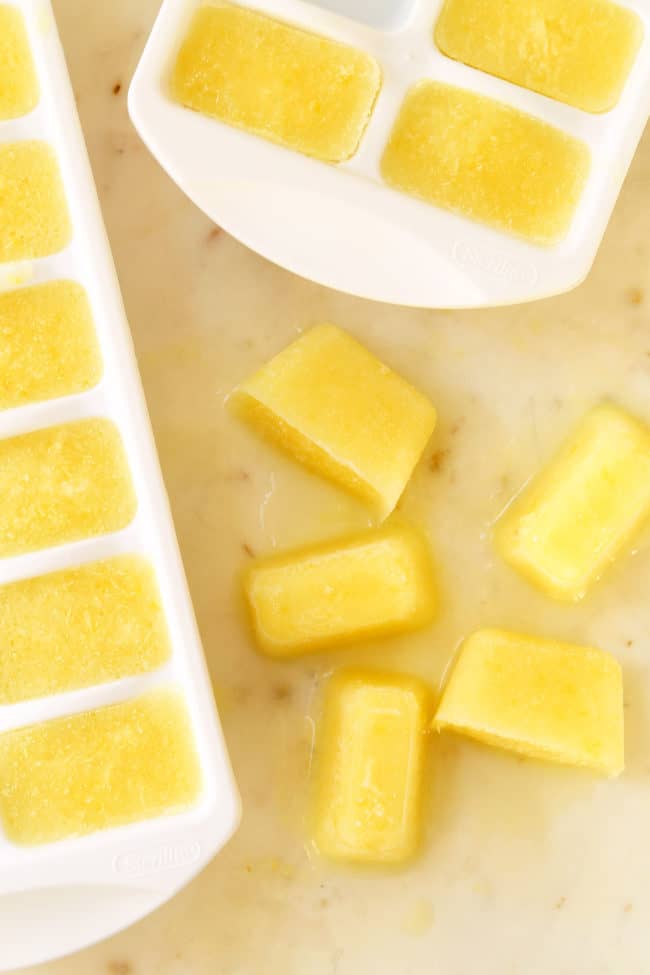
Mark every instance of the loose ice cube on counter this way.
pixel 540 698
pixel 336 408
pixel 584 509
pixel 369 760
pixel 372 584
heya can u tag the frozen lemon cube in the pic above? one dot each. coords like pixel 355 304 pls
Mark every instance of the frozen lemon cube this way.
pixel 99 769
pixel 305 92
pixel 62 484
pixel 583 510
pixel 541 698
pixel 48 346
pixel 369 767
pixel 33 210
pixel 579 52
pixel 487 161
pixel 81 626
pixel 335 407
pixel 376 583
pixel 18 83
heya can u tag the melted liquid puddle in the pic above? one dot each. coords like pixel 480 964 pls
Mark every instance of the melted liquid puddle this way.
pixel 503 838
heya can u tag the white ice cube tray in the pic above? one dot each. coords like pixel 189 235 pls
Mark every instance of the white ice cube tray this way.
pixel 58 897
pixel 342 225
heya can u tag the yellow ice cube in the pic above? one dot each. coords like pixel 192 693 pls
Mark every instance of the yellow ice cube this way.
pixel 369 767
pixel 541 698
pixel 579 52
pixel 336 408
pixel 373 584
pixel 583 510
pixel 18 82
pixel 487 161
pixel 33 210
pixel 48 346
pixel 98 769
pixel 81 626
pixel 62 484
pixel 305 92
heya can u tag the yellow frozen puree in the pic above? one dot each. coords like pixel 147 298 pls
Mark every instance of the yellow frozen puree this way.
pixel 541 698
pixel 18 82
pixel 119 764
pixel 485 160
pixel 305 92
pixel 48 346
pixel 577 51
pixel 370 761
pixel 61 484
pixel 34 220
pixel 78 627
pixel 335 407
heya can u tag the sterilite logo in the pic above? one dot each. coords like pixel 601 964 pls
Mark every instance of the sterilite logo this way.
pixel 468 255
pixel 139 864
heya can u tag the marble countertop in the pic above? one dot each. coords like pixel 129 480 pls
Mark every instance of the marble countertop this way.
pixel 506 885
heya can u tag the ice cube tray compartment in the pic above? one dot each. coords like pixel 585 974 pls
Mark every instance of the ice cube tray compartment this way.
pixel 349 230
pixel 154 856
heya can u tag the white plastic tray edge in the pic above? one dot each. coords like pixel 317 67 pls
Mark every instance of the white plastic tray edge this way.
pixel 114 877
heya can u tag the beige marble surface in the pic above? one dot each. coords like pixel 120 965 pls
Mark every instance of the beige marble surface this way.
pixel 525 869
